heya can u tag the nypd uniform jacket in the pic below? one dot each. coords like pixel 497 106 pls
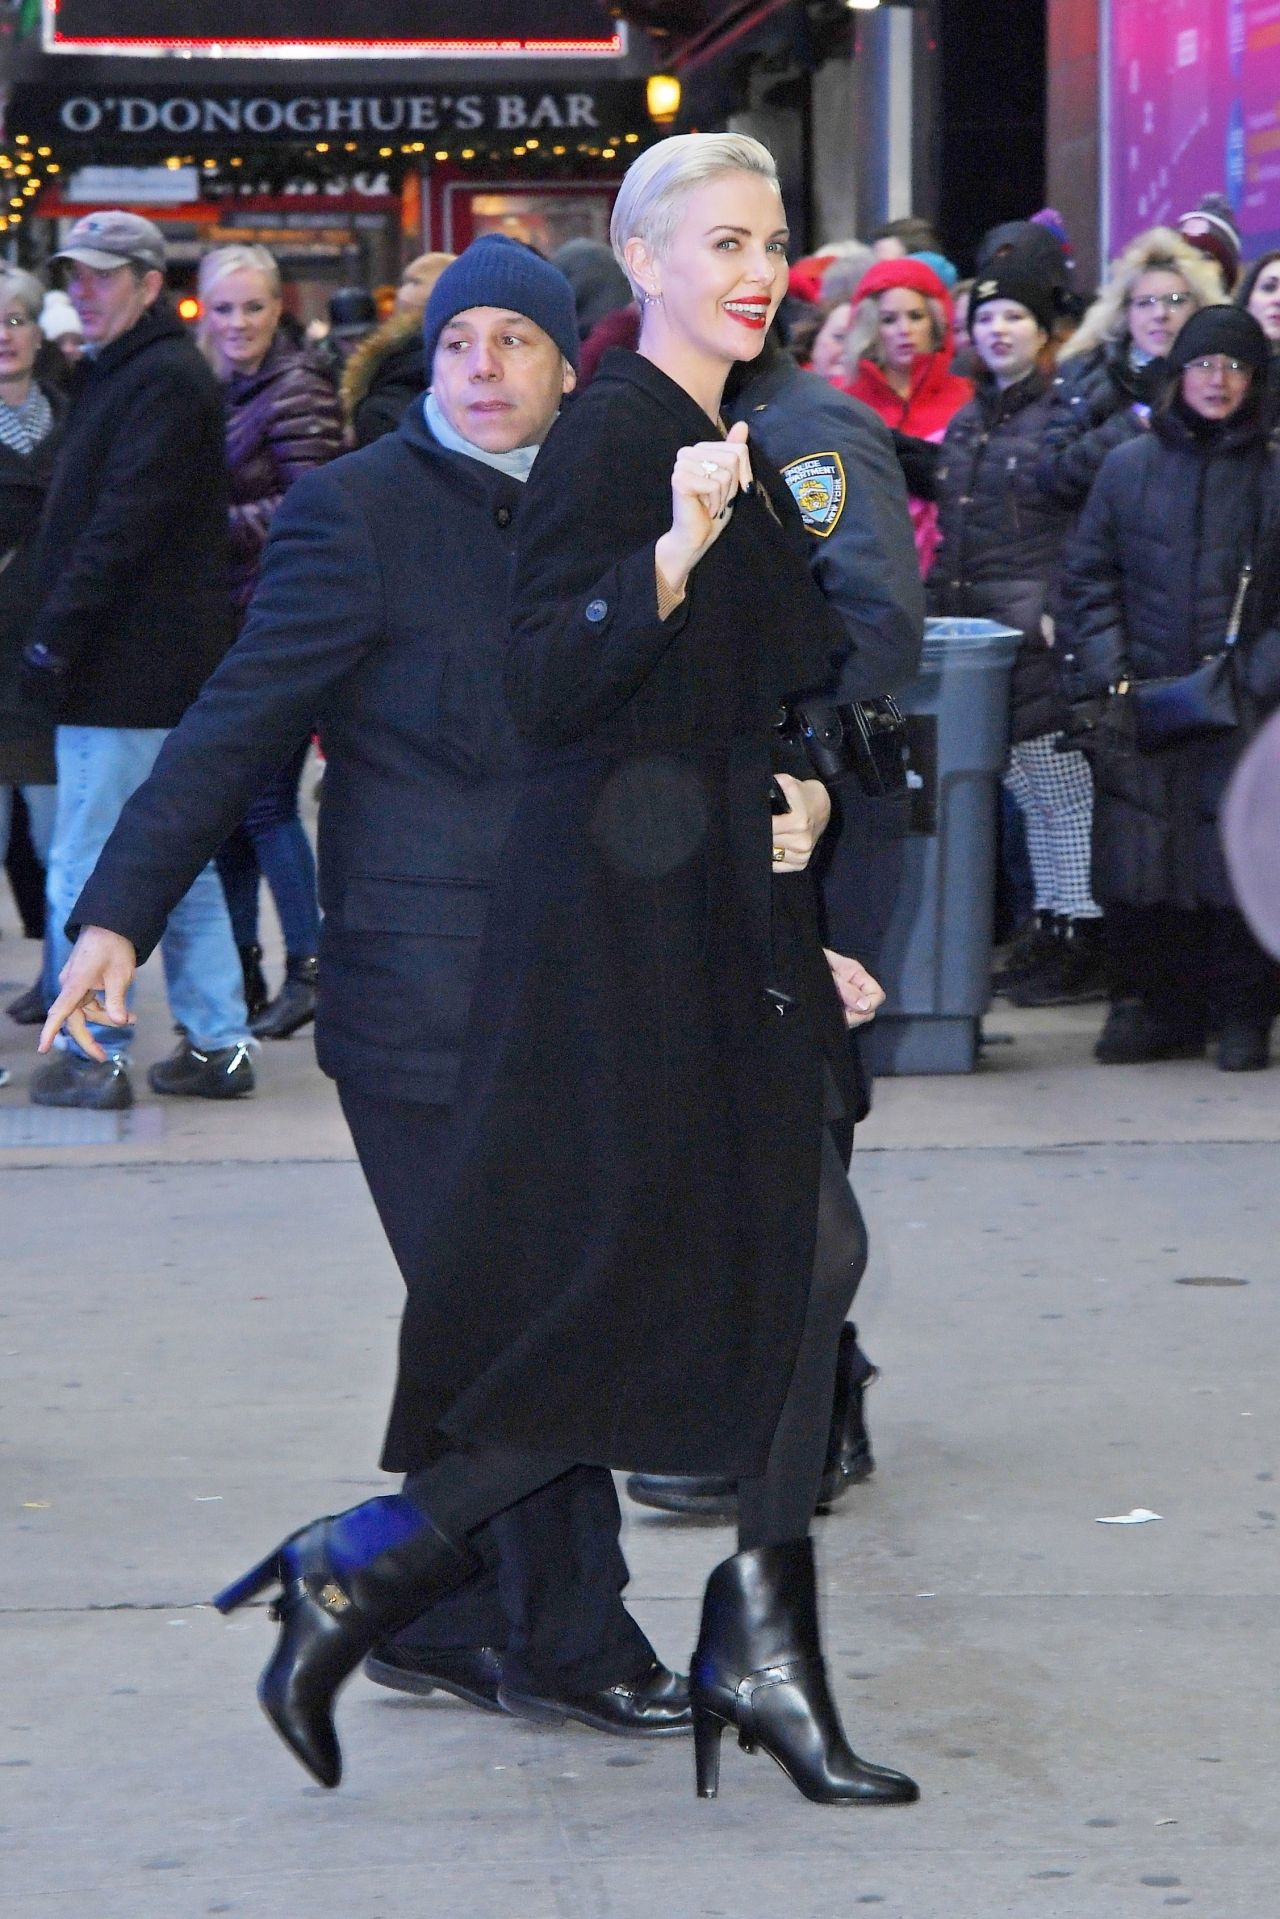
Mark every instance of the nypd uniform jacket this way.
pixel 361 621
pixel 838 460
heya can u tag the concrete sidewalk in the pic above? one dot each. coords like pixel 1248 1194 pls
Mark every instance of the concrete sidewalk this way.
pixel 197 1346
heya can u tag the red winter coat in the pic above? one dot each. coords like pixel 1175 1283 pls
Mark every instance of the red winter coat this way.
pixel 937 395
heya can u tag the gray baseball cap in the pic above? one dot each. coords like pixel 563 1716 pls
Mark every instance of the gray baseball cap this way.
pixel 106 240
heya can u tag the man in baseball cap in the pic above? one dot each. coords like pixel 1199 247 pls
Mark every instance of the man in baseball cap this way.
pixel 110 239
pixel 135 613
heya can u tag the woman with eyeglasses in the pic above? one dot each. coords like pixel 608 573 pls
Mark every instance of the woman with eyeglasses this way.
pixel 30 412
pixel 1159 572
pixel 1110 370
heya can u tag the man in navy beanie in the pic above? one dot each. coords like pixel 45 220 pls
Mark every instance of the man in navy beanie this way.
pixel 381 610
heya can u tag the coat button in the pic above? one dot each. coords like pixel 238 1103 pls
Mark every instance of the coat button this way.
pixel 597 610
pixel 503 516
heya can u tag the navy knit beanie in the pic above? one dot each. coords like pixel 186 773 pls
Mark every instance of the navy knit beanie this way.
pixel 497 272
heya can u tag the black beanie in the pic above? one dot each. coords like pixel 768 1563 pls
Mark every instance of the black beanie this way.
pixel 1221 329
pixel 497 272
pixel 1010 280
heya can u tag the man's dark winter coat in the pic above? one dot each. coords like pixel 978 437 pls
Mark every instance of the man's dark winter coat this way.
pixel 1151 576
pixel 1094 395
pixel 26 738
pixel 133 552
pixel 357 623
pixel 282 420
pixel 625 1258
pixel 1000 539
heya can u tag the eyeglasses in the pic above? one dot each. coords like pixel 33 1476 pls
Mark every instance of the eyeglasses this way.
pixel 1219 365
pixel 1167 302
pixel 18 320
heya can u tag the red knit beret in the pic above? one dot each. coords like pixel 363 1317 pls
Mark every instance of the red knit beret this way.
pixel 914 274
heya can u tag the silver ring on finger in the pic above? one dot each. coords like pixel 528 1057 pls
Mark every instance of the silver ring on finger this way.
pixel 712 469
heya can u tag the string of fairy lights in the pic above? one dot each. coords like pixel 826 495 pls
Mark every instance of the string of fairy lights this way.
pixel 27 168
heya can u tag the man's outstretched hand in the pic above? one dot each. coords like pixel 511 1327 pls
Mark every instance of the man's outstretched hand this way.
pixel 95 981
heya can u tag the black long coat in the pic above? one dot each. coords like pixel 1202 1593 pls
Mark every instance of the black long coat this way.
pixel 1000 539
pixel 1151 575
pixel 26 737
pixel 624 1260
pixel 133 550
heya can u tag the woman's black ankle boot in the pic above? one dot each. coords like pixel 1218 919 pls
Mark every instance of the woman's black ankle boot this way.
pixel 255 980
pixel 347 1582
pixel 293 1005
pixel 758 1668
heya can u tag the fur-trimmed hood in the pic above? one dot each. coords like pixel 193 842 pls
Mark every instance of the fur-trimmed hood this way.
pixel 394 336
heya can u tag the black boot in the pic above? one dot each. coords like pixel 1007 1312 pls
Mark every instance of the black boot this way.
pixel 293 1005
pixel 758 1668
pixel 348 1582
pixel 1033 948
pixel 255 980
pixel 1073 975
pixel 29 1008
pixel 849 1458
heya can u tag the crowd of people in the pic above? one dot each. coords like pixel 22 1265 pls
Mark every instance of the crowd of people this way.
pixel 586 675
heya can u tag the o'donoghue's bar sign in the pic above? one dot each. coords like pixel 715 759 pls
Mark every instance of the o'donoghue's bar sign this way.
pixel 358 29
pixel 157 116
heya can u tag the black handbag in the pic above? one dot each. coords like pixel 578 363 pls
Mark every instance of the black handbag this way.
pixel 1200 705
pixel 867 738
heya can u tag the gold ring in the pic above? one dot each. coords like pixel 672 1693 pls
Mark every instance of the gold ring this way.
pixel 779 854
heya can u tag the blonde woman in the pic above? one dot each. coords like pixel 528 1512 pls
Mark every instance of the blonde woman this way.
pixel 897 360
pixel 1111 370
pixel 282 420
pixel 648 1241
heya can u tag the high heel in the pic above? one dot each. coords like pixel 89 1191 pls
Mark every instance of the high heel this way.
pixel 706 1752
pixel 255 1581
pixel 346 1583
pixel 758 1667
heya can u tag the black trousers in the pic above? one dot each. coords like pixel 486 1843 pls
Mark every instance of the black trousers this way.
pixel 549 1595
pixel 462 1490
pixel 1189 965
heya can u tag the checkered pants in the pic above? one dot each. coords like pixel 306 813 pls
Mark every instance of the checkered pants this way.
pixel 1055 792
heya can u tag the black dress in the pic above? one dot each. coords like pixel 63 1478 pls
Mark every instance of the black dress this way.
pixel 625 1254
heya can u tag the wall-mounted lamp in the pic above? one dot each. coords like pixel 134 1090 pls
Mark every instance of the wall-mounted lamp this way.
pixel 662 97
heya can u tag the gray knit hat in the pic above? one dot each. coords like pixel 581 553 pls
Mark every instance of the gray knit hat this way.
pixel 497 272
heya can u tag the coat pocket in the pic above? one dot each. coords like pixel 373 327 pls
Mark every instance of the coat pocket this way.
pixel 452 909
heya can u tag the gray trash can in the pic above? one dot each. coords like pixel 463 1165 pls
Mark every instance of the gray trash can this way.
pixel 935 961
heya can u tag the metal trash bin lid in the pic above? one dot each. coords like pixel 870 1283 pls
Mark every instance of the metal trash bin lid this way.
pixel 944 638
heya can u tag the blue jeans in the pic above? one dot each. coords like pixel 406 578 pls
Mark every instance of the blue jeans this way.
pixel 270 844
pixel 99 768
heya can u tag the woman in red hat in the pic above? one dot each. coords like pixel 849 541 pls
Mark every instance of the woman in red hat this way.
pixel 898 361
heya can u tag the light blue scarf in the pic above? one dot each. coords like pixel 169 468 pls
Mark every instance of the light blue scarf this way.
pixel 517 464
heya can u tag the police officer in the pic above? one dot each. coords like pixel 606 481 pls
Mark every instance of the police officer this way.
pixel 838 459
pixel 382 609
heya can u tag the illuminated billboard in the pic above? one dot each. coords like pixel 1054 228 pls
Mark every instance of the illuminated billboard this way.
pixel 299 29
pixel 1193 107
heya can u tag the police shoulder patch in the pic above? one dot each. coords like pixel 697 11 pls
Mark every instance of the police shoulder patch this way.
pixel 818 488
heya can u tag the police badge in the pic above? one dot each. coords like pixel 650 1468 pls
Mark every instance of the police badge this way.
pixel 818 488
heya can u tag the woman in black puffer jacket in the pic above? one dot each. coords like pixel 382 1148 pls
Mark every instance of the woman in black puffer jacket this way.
pixel 1111 370
pixel 1152 577
pixel 282 420
pixel 999 558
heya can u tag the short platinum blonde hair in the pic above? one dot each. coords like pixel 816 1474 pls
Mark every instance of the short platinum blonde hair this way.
pixel 1159 250
pixel 221 261
pixel 660 180
pixel 24 288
